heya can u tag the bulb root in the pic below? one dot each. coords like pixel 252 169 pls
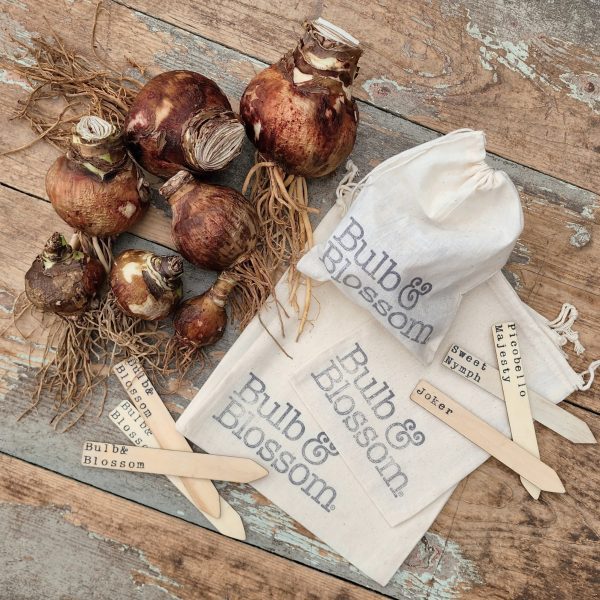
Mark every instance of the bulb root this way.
pixel 281 203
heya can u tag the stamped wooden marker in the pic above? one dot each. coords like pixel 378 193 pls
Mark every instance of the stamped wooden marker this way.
pixel 487 377
pixel 150 406
pixel 512 379
pixel 126 417
pixel 120 457
pixel 486 437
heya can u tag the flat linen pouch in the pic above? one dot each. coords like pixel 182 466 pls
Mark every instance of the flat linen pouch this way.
pixel 426 226
pixel 358 390
pixel 249 407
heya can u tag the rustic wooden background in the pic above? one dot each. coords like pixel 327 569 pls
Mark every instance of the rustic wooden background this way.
pixel 525 71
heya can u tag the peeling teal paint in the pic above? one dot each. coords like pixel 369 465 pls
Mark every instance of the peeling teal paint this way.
pixel 584 87
pixel 581 236
pixel 438 566
pixel 398 98
pixel 513 55
pixel 8 78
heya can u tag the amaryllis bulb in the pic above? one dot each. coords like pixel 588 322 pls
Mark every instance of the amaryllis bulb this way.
pixel 299 112
pixel 96 188
pixel 201 320
pixel 145 285
pixel 213 226
pixel 182 120
pixel 61 280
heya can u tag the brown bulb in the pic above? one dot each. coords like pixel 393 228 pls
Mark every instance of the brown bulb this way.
pixel 63 281
pixel 213 225
pixel 201 321
pixel 182 120
pixel 145 285
pixel 299 112
pixel 95 188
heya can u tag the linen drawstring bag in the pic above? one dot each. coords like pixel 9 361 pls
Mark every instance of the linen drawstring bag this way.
pixel 249 407
pixel 427 226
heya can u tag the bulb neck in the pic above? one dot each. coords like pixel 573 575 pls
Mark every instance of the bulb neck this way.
pixel 97 146
pixel 56 250
pixel 326 52
pixel 175 183
pixel 221 289
pixel 166 271
pixel 212 139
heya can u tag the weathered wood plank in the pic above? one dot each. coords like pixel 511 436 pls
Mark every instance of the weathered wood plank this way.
pixel 107 551
pixel 380 135
pixel 525 72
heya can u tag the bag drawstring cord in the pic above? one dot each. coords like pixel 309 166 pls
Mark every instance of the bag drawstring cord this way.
pixel 563 326
pixel 583 386
pixel 347 187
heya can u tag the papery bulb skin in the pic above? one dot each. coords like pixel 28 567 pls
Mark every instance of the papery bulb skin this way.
pixel 145 285
pixel 98 208
pixel 169 119
pixel 299 112
pixel 201 321
pixel 95 187
pixel 61 280
pixel 212 225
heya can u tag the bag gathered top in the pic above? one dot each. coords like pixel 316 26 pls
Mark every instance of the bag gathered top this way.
pixel 426 226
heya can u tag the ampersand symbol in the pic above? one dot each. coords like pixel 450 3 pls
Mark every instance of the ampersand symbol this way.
pixel 410 294
pixel 400 435
pixel 318 449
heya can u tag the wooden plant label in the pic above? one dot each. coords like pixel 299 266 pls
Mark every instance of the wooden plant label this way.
pixel 487 377
pixel 126 417
pixel 145 398
pixel 486 437
pixel 512 379
pixel 170 462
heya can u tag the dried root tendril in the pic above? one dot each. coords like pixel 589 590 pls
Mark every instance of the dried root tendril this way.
pixel 100 248
pixel 129 336
pixel 255 284
pixel 67 86
pixel 72 367
pixel 185 360
pixel 79 353
pixel 281 203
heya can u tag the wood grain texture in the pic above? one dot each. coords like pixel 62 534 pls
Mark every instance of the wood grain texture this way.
pixel 524 548
pixel 525 72
pixel 108 550
pixel 488 540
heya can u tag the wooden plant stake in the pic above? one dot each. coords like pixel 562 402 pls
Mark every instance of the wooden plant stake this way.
pixel 512 379
pixel 487 377
pixel 126 417
pixel 150 406
pixel 486 437
pixel 138 459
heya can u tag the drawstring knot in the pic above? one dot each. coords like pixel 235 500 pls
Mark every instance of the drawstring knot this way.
pixel 583 386
pixel 563 324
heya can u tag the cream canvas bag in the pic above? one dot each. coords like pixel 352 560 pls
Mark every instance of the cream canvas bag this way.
pixel 427 226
